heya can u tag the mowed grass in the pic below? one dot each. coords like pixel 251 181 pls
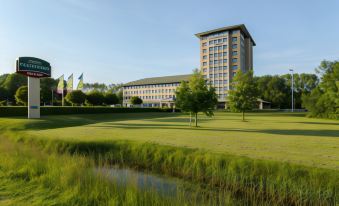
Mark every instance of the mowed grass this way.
pixel 282 137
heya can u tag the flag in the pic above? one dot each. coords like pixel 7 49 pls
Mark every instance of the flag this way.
pixel 61 85
pixel 70 83
pixel 81 82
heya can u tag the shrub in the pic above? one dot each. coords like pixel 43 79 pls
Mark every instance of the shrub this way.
pixel 21 95
pixel 136 100
pixel 111 98
pixel 76 97
pixel 95 98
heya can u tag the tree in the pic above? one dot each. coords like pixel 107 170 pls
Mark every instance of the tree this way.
pixel 323 101
pixel 120 95
pixel 111 98
pixel 196 96
pixel 76 97
pixel 243 96
pixel 95 98
pixel 21 95
pixel 12 83
pixel 273 89
pixel 136 100
pixel 47 86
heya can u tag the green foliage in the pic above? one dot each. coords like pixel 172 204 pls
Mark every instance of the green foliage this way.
pixel 196 96
pixel 3 78
pixel 136 100
pixel 12 83
pixel 76 97
pixel 47 86
pixel 323 101
pixel 120 96
pixel 277 89
pixel 111 98
pixel 243 96
pixel 21 95
pixel 95 98
pixel 3 94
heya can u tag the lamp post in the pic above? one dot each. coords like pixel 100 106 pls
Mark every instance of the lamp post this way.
pixel 292 89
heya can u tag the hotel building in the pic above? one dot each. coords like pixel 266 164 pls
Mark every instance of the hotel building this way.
pixel 223 52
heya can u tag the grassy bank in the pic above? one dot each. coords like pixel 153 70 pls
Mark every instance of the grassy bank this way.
pixel 276 182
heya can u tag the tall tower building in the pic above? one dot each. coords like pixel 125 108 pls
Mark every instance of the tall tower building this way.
pixel 224 52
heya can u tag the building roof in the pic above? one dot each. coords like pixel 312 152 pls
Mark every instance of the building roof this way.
pixel 160 80
pixel 239 26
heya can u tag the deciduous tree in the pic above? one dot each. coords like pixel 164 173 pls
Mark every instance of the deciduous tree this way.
pixel 196 96
pixel 244 93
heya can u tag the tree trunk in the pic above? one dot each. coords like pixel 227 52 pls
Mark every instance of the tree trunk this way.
pixel 196 119
pixel 190 119
pixel 243 116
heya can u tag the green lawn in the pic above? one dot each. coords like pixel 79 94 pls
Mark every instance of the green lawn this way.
pixel 274 136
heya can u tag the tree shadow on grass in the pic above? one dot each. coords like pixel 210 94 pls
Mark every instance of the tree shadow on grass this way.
pixel 319 133
pixel 63 121
pixel 321 123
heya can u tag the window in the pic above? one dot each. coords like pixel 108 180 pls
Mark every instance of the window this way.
pixel 225 60
pixel 235 32
pixel 234 73
pixel 234 53
pixel 235 67
pixel 215 55
pixel 205 70
pixel 225 82
pixel 234 60
pixel 234 39
pixel 211 69
pixel 204 51
pixel 215 41
pixel 211 55
pixel 224 39
pixel 211 49
pixel 219 47
pixel 224 47
pixel 219 40
pixel 211 62
pixel 220 61
pixel 234 46
pixel 204 57
pixel 211 42
pixel 204 63
pixel 204 44
pixel 225 54
pixel 215 61
pixel 204 37
pixel 220 54
pixel 225 67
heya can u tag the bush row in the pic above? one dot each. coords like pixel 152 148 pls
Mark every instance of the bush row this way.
pixel 57 110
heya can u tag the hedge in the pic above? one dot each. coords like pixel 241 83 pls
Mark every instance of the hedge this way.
pixel 57 110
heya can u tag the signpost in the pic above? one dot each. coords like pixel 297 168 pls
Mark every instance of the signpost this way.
pixel 34 69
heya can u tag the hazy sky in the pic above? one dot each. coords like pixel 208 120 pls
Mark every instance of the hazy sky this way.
pixel 120 41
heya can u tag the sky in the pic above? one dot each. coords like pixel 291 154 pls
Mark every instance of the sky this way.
pixel 120 41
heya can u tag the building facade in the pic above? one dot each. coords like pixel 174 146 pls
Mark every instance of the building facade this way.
pixel 223 52
pixel 154 92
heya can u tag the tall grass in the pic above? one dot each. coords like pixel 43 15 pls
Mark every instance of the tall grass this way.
pixel 275 183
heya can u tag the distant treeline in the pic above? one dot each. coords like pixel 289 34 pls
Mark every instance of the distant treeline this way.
pixel 10 83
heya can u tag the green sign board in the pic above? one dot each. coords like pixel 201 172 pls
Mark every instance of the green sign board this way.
pixel 33 67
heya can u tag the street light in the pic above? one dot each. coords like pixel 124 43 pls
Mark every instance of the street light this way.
pixel 291 70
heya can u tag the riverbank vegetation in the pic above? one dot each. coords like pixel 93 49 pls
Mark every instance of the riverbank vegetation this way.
pixel 253 179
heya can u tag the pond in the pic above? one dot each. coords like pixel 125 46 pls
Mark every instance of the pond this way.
pixel 173 187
